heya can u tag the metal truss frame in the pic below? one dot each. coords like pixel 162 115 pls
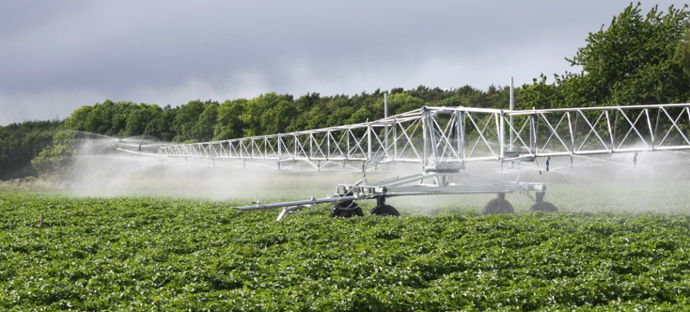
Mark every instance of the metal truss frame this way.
pixel 441 137
pixel 444 139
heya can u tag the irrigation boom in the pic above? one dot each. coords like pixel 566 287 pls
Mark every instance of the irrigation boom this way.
pixel 443 139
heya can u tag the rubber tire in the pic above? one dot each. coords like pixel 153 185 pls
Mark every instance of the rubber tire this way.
pixel 341 212
pixel 497 206
pixel 544 207
pixel 384 210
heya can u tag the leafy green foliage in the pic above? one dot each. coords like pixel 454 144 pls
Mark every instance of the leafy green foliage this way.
pixel 55 158
pixel 229 124
pixel 139 117
pixel 185 122
pixel 637 59
pixel 21 142
pixel 142 254
pixel 539 94
pixel 265 114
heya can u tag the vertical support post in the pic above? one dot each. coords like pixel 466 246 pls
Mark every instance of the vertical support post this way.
pixel 395 139
pixel 430 142
pixel 656 121
pixel 501 135
pixel 652 137
pixel 532 134
pixel 460 129
pixel 572 134
pixel 369 141
pixel 294 136
pixel 511 107
pixel 385 118
pixel 425 137
pixel 348 134
pixel 432 138
pixel 608 125
pixel 328 144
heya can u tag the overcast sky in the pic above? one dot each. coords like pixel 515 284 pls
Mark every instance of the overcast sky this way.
pixel 56 56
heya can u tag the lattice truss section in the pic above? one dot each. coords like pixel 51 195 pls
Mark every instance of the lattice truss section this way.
pixel 597 130
pixel 398 137
pixel 436 136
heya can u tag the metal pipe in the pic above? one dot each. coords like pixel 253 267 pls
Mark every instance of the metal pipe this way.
pixel 511 107
pixel 385 117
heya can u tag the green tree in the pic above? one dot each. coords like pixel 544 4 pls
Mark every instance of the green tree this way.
pixel 228 124
pixel 79 119
pixel 682 56
pixel 632 61
pixel 540 94
pixel 139 117
pixel 280 110
pixel 21 142
pixel 185 120
pixel 268 113
pixel 403 102
pixel 314 111
pixel 100 118
pixel 463 96
pixel 205 123
pixel 53 160
pixel 307 106
pixel 161 126
pixel 119 114
pixel 336 110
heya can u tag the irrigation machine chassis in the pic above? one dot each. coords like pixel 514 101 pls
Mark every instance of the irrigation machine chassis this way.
pixel 443 141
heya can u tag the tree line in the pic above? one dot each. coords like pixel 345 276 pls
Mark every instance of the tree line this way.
pixel 265 114
pixel 639 58
pixel 20 142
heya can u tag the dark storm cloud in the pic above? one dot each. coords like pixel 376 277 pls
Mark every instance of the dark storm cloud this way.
pixel 56 56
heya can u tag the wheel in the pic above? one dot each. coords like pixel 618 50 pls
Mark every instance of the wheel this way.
pixel 342 213
pixel 498 206
pixel 541 205
pixel 347 209
pixel 544 207
pixel 384 210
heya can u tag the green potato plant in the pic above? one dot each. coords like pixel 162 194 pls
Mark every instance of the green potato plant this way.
pixel 169 254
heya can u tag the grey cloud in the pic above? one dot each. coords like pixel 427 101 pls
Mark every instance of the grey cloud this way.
pixel 170 51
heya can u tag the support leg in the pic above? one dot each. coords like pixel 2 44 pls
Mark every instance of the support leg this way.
pixel 382 209
pixel 541 205
pixel 498 205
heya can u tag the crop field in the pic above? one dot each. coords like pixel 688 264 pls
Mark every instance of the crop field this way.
pixel 140 253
